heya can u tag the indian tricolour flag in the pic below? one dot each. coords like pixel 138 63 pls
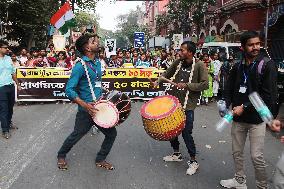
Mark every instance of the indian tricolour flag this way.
pixel 63 19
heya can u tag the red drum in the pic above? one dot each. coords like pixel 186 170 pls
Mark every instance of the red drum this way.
pixel 114 107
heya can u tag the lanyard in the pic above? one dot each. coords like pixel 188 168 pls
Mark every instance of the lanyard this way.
pixel 246 76
pixel 94 70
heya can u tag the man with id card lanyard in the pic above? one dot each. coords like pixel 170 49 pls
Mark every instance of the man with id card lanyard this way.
pixel 79 91
pixel 253 73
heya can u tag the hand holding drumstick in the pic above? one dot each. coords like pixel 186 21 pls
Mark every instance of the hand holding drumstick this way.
pixel 156 83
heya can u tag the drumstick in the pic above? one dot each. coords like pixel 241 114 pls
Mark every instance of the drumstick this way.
pixel 105 89
pixel 165 79
pixel 169 81
pixel 152 83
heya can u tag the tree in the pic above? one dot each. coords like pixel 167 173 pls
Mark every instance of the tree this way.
pixel 121 40
pixel 83 4
pixel 29 19
pixel 84 19
pixel 89 5
pixel 177 18
pixel 162 21
pixel 129 23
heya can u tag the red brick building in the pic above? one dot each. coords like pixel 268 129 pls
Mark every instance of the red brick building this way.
pixel 152 9
pixel 229 18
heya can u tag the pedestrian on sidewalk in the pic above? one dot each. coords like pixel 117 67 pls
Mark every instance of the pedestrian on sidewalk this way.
pixel 7 89
pixel 191 77
pixel 254 73
pixel 79 91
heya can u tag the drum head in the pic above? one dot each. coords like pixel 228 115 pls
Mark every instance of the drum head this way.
pixel 121 101
pixel 160 107
pixel 107 116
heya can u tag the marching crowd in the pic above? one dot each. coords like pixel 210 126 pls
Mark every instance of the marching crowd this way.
pixel 44 57
pixel 218 66
pixel 240 79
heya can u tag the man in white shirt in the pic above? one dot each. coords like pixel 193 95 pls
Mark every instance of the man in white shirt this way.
pixel 23 57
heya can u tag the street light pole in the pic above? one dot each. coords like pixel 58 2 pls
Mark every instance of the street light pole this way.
pixel 266 24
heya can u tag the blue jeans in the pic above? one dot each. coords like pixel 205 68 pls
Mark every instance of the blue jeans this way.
pixel 186 135
pixel 83 124
pixel 7 101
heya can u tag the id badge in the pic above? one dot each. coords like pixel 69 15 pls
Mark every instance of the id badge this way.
pixel 243 89
pixel 98 84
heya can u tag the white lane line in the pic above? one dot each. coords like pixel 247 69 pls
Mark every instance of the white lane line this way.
pixel 44 123
pixel 49 181
pixel 13 169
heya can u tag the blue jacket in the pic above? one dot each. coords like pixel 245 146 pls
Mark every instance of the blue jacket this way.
pixel 78 86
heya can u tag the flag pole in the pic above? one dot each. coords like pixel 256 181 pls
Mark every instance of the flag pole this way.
pixel 73 9
pixel 266 24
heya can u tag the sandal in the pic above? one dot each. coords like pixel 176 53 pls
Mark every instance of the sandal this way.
pixel 105 165
pixel 6 135
pixel 62 164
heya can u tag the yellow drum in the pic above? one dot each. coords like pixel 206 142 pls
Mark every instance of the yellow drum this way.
pixel 163 117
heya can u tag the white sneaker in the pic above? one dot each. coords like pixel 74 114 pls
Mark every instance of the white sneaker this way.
pixel 174 157
pixel 233 183
pixel 193 166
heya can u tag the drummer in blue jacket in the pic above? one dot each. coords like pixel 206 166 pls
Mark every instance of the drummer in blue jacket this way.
pixel 78 90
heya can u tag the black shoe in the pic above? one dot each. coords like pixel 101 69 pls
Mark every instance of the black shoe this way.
pixel 6 135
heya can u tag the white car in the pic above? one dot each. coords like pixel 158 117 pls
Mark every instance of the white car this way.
pixel 228 48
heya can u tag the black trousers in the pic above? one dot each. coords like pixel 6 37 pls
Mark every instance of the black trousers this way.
pixel 83 124
pixel 186 135
pixel 7 101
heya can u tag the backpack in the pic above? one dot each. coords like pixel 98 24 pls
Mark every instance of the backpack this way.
pixel 260 70
pixel 259 76
pixel 261 65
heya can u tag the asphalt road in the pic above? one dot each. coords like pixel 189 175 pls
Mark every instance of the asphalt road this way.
pixel 28 159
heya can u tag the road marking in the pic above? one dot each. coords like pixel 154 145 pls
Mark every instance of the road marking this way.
pixel 11 170
pixel 50 181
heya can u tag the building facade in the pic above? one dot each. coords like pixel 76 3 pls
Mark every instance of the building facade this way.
pixel 230 18
pixel 152 10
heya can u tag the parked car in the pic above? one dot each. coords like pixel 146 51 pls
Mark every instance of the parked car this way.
pixel 225 47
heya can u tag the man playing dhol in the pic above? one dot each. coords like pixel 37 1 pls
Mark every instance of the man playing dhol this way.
pixel 78 90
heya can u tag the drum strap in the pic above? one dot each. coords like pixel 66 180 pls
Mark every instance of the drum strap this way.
pixel 189 81
pixel 88 77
